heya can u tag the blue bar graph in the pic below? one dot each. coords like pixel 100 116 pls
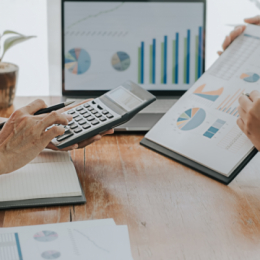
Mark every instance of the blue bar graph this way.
pixel 165 60
pixel 154 59
pixel 18 246
pixel 177 58
pixel 142 63
pixel 200 52
pixel 214 128
pixel 188 58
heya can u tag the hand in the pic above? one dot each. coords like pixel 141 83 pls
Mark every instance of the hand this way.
pixel 237 31
pixel 83 143
pixel 249 121
pixel 23 136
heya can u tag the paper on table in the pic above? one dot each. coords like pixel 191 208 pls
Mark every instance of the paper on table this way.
pixel 50 175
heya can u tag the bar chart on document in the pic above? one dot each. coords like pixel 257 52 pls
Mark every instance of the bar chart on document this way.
pixel 157 45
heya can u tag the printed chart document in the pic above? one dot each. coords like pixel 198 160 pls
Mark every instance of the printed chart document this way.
pixel 50 175
pixel 201 126
pixel 83 240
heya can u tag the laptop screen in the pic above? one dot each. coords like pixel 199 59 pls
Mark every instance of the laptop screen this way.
pixel 159 45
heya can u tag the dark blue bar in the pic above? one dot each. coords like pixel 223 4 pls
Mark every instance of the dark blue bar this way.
pixel 188 58
pixel 18 246
pixel 213 130
pixel 165 60
pixel 200 53
pixel 142 63
pixel 154 59
pixel 177 59
pixel 209 135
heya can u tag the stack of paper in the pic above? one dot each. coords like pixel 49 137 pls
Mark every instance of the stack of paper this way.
pixel 93 240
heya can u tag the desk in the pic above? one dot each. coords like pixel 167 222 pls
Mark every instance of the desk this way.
pixel 172 212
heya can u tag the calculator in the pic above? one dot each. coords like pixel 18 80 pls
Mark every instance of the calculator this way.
pixel 108 111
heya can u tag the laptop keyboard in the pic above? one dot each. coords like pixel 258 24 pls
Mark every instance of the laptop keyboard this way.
pixel 159 106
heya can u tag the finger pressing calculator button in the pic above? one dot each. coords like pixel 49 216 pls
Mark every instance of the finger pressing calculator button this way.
pixel 102 119
pixel 71 112
pixel 86 105
pixel 90 118
pixel 95 122
pixel 86 126
pixel 82 122
pixel 86 115
pixel 83 112
pixel 109 116
pixel 77 130
pixel 94 111
pixel 105 112
pixel 65 136
pixel 79 108
pixel 77 119
pixel 98 115
pixel 73 126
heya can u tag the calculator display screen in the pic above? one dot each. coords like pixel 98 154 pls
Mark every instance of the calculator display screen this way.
pixel 125 98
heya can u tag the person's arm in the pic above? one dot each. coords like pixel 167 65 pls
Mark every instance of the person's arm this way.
pixel 249 121
pixel 237 31
pixel 23 137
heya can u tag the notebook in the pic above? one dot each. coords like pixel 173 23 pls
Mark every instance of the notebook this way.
pixel 51 175
pixel 201 128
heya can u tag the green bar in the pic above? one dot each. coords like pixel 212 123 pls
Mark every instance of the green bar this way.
pixel 162 62
pixel 173 61
pixel 185 62
pixel 151 64
pixel 139 65
pixel 197 58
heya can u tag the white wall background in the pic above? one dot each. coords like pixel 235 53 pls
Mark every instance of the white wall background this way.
pixel 39 58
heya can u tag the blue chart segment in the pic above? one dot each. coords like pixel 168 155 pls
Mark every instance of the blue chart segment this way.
pixel 51 255
pixel 214 128
pixel 120 61
pixel 77 61
pixel 191 119
pixel 250 77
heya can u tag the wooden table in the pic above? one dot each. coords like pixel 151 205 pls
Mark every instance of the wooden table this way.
pixel 172 212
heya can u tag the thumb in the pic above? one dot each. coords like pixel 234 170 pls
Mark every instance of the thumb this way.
pixel 253 20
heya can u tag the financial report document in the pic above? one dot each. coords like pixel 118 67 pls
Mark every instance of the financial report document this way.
pixel 202 124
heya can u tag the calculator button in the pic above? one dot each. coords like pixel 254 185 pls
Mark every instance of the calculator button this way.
pixel 95 122
pixel 71 112
pixel 98 115
pixel 78 119
pixel 99 107
pixel 90 108
pixel 109 116
pixel 105 112
pixel 93 102
pixel 64 136
pixel 102 119
pixel 86 115
pixel 82 122
pixel 86 105
pixel 77 130
pixel 94 111
pixel 75 116
pixel 73 126
pixel 79 108
pixel 83 112
pixel 86 126
pixel 70 123
pixel 90 118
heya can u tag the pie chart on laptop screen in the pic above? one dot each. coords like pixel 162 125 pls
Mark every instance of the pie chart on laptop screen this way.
pixel 77 61
pixel 191 119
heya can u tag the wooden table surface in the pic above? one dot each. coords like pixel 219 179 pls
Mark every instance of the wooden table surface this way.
pixel 172 212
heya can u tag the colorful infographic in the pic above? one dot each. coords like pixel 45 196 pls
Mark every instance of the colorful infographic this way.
pixel 210 95
pixel 250 77
pixel 191 119
pixel 77 61
pixel 121 61
pixel 45 236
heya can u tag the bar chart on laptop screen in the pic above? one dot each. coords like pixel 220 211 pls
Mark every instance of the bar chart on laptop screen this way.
pixel 158 45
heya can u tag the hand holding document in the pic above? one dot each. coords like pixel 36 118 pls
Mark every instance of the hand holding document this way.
pixel 84 240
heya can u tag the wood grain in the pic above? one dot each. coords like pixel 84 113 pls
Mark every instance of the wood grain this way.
pixel 172 212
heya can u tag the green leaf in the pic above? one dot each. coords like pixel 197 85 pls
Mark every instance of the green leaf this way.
pixel 11 32
pixel 10 42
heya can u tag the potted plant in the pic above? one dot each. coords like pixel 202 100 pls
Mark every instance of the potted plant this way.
pixel 9 71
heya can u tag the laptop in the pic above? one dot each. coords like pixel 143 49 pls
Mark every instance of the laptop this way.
pixel 160 45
